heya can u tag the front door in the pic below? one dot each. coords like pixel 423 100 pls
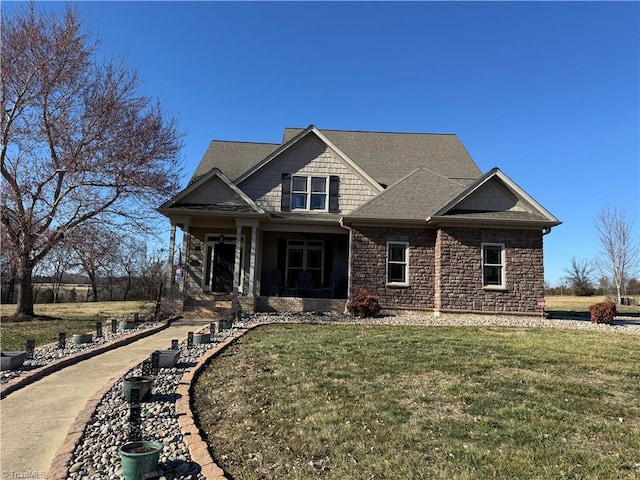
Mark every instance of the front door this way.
pixel 223 260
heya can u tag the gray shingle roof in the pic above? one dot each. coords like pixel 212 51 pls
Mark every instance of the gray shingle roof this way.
pixel 388 157
pixel 415 197
pixel 232 158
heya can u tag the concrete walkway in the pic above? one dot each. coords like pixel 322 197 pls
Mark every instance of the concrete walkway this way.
pixel 35 419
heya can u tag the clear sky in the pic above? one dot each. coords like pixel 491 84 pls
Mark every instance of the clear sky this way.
pixel 546 91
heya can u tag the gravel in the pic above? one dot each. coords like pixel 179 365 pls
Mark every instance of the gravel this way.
pixel 96 456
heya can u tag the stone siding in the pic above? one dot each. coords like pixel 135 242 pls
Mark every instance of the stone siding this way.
pixel 460 270
pixel 293 305
pixel 368 265
pixel 445 269
pixel 309 157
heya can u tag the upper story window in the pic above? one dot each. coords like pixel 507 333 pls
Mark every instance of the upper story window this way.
pixel 398 263
pixel 493 265
pixel 313 193
pixel 309 193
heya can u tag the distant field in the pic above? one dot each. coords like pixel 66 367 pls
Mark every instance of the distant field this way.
pixel 568 303
pixel 73 318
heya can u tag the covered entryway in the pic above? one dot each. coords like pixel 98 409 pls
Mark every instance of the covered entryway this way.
pixel 222 274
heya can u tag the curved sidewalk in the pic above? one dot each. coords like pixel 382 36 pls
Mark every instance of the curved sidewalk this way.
pixel 35 419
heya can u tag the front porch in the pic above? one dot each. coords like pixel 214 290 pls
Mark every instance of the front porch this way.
pixel 259 268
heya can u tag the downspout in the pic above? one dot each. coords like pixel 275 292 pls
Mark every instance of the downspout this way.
pixel 348 266
pixel 546 231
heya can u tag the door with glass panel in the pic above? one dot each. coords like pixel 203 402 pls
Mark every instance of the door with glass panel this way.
pixel 305 255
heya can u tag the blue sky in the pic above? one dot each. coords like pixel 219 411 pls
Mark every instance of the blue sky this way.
pixel 546 91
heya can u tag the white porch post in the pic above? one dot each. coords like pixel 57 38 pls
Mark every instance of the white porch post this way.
pixel 236 263
pixel 252 261
pixel 172 268
pixel 186 241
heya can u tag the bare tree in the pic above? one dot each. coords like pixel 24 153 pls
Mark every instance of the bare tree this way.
pixel 131 258
pixel 78 142
pixel 619 256
pixel 580 277
pixel 94 247
pixel 57 264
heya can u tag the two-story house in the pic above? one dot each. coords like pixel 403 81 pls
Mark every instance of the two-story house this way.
pixel 303 224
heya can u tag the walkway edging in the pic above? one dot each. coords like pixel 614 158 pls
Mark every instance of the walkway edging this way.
pixel 35 375
pixel 191 434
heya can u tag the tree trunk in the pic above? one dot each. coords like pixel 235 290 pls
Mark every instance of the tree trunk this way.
pixel 24 302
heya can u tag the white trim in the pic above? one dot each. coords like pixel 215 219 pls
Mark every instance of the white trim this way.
pixel 502 265
pixel 406 264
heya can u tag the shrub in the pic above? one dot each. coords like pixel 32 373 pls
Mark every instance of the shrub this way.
pixel 364 304
pixel 603 312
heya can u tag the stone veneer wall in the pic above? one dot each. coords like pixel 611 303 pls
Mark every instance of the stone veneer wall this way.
pixel 293 304
pixel 460 270
pixel 368 265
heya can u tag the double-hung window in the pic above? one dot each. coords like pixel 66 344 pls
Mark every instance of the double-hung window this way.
pixel 398 263
pixel 493 264
pixel 309 193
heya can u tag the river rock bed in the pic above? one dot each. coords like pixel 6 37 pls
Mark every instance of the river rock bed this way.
pixel 50 353
pixel 96 456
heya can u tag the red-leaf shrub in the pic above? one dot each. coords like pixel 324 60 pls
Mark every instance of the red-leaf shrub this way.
pixel 603 312
pixel 364 304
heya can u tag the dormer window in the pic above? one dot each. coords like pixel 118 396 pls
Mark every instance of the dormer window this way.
pixel 314 193
pixel 309 193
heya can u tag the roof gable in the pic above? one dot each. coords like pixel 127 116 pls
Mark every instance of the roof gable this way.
pixel 212 191
pixel 297 139
pixel 413 198
pixel 494 197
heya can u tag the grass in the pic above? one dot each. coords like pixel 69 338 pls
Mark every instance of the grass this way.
pixel 64 317
pixel 380 402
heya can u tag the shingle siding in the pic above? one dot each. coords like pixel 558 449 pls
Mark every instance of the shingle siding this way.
pixel 309 157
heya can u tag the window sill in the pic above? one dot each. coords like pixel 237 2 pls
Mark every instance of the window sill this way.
pixel 397 285
pixel 499 288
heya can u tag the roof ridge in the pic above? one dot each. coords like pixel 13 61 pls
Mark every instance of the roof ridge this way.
pixel 245 142
pixel 373 131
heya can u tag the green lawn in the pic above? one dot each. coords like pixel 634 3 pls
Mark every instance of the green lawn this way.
pixel 382 402
pixel 65 317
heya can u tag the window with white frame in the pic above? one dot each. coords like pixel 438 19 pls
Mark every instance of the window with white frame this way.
pixel 493 264
pixel 305 255
pixel 309 193
pixel 398 263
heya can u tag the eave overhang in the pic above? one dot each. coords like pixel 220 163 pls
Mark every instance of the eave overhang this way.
pixel 443 221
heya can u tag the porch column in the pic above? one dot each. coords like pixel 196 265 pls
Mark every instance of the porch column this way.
pixel 186 241
pixel 172 268
pixel 252 260
pixel 236 263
